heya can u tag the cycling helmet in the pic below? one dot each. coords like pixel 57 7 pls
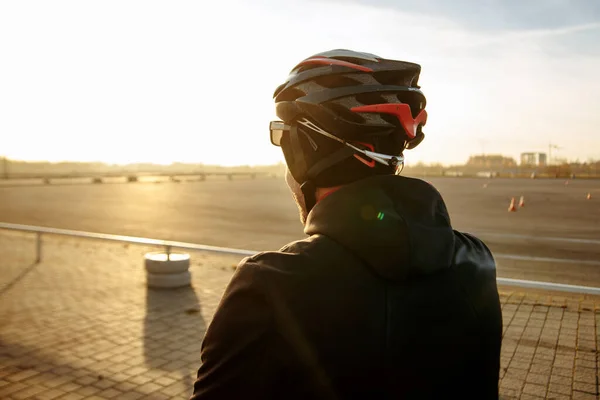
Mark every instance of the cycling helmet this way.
pixel 346 115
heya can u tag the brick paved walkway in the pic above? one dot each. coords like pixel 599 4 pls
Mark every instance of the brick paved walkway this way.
pixel 81 324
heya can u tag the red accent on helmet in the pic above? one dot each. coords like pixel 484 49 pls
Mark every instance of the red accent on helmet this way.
pixel 401 111
pixel 370 164
pixel 332 61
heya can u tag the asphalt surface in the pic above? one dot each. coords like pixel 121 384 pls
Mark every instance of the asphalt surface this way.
pixel 555 237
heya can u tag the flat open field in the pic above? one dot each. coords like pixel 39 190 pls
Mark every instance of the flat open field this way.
pixel 555 237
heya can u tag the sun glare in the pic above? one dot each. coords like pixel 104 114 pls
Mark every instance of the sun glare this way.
pixel 174 83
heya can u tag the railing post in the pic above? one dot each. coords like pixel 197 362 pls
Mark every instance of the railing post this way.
pixel 168 251
pixel 38 247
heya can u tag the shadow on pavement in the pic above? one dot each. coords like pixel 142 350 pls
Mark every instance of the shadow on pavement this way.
pixel 173 330
pixel 6 286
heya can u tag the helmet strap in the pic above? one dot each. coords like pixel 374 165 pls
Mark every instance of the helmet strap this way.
pixel 329 161
pixel 298 153
pixel 310 195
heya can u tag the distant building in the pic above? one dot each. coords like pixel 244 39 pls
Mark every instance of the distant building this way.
pixel 491 161
pixel 534 159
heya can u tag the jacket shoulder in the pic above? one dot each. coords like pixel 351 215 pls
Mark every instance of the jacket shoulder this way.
pixel 470 249
pixel 311 251
pixel 475 270
pixel 269 257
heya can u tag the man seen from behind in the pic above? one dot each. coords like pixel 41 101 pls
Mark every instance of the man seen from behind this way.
pixel 383 299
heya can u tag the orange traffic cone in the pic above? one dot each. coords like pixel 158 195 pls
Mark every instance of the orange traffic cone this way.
pixel 522 202
pixel 589 196
pixel 512 207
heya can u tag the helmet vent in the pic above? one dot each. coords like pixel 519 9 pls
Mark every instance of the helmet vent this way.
pixel 353 60
pixel 365 79
pixel 379 119
pixel 395 78
pixel 335 81
pixel 290 94
pixel 347 114
pixel 371 98
pixel 310 87
pixel 305 68
pixel 414 100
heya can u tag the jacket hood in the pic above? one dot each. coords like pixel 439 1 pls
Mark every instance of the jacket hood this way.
pixel 398 226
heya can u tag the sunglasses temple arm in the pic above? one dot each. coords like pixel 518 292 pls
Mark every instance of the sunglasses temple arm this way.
pixel 369 154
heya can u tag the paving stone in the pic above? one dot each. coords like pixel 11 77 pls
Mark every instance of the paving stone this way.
pixel 12 388
pixel 71 396
pixel 561 389
pixel 133 395
pixel 49 394
pixel 526 396
pixel 585 387
pixel 21 375
pixel 558 396
pixel 534 389
pixel 537 378
pixel 28 392
pixel 562 371
pixel 110 393
pixel 583 396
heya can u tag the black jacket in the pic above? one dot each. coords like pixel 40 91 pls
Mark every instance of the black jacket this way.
pixel 384 300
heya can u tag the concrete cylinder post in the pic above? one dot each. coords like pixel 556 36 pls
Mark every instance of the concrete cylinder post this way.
pixel 167 270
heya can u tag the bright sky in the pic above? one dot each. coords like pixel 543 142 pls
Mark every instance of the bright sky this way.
pixel 191 81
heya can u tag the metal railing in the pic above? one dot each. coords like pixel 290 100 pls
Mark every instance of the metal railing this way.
pixel 169 245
